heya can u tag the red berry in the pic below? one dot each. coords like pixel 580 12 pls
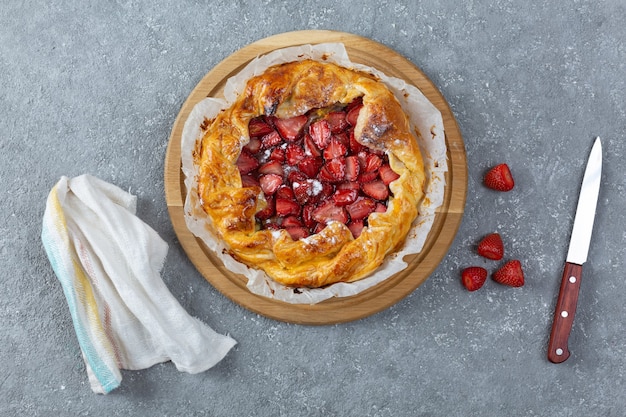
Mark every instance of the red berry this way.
pixel 337 121
pixel 277 154
pixel 349 185
pixel 355 147
pixel 310 166
pixel 270 183
pixel 297 232
pixel 343 197
pixel 510 274
pixel 326 192
pixel 295 177
pixel 327 211
pixel 294 154
pixel 380 208
pixel 491 247
pixel 367 176
pixel 249 181
pixel 353 168
pixel 319 227
pixel 473 277
pixel 361 208
pixel 287 207
pixel 370 161
pixel 310 148
pixel 376 189
pixel 353 114
pixel 253 146
pixel 499 178
pixel 246 163
pixel 291 221
pixel 307 216
pixel 357 102
pixel 290 128
pixel 342 137
pixel 335 149
pixel 387 174
pixel 272 167
pixel 271 225
pixel 334 170
pixel 320 133
pixel 270 140
pixel 258 127
pixel 356 227
pixel 306 191
pixel 285 192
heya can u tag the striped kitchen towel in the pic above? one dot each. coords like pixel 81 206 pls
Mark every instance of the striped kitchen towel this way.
pixel 108 262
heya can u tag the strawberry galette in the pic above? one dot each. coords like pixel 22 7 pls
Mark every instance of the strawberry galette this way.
pixel 312 175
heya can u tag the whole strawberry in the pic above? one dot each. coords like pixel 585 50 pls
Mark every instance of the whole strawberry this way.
pixel 491 247
pixel 499 178
pixel 473 277
pixel 510 274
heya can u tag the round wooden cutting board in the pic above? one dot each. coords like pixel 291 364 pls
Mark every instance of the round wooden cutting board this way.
pixel 377 298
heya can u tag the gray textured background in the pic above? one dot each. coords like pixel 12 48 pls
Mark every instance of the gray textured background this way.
pixel 95 88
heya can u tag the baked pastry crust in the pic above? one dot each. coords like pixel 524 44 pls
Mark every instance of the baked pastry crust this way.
pixel 332 255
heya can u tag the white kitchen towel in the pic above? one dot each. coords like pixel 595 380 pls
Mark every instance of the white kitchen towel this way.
pixel 109 262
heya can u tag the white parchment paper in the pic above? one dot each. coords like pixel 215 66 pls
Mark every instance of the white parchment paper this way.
pixel 426 122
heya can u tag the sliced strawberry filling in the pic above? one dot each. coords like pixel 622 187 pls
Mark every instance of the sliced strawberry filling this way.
pixel 313 171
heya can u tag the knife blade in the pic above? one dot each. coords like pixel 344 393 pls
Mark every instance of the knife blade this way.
pixel 580 240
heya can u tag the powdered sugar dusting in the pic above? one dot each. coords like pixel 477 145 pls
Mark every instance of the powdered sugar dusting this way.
pixel 316 189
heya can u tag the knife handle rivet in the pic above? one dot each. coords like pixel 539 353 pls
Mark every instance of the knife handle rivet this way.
pixel 559 351
pixel 564 313
pixel 572 279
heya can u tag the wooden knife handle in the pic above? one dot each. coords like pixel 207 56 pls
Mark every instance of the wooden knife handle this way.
pixel 564 313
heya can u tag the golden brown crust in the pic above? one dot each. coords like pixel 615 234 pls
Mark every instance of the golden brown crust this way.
pixel 332 255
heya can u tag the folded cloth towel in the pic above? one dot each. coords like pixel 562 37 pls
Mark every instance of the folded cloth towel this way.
pixel 108 262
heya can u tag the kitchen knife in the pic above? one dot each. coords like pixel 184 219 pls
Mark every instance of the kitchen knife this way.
pixel 576 256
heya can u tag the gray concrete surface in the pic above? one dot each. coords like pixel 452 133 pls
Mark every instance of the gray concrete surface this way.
pixel 94 87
